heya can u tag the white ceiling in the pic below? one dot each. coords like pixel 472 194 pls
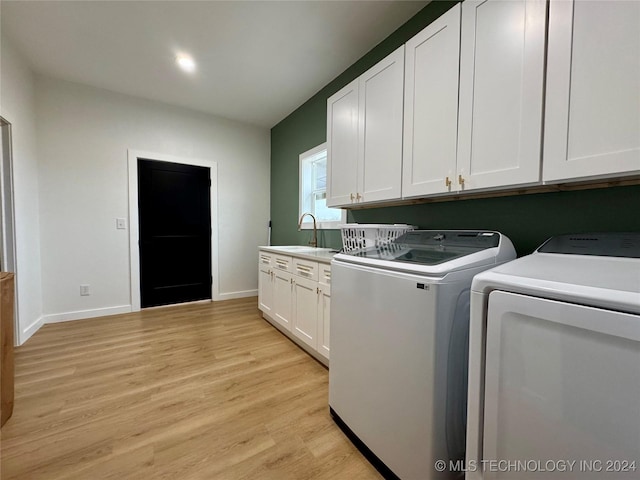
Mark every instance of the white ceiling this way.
pixel 257 60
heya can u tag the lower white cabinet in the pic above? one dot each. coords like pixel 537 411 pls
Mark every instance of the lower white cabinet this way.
pixel 324 307
pixel 292 299
pixel 305 311
pixel 282 308
pixel 265 289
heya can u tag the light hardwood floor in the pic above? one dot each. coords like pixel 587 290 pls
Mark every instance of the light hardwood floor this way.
pixel 201 391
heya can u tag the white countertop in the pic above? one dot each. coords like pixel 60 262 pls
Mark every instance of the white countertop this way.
pixel 323 255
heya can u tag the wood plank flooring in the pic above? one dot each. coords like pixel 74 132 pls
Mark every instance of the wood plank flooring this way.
pixel 201 391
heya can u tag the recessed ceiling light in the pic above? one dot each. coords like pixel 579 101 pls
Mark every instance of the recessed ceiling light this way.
pixel 186 63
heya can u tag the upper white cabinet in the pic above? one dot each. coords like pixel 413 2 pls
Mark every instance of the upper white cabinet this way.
pixel 476 103
pixel 380 129
pixel 431 107
pixel 592 119
pixel 364 136
pixel 342 146
pixel 501 93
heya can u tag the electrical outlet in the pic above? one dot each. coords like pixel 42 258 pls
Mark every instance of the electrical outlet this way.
pixel 85 290
pixel 121 224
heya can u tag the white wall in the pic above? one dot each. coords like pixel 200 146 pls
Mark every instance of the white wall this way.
pixel 83 137
pixel 17 106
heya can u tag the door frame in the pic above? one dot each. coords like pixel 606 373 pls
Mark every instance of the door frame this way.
pixel 7 220
pixel 134 227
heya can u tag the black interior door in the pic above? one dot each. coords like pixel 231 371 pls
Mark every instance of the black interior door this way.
pixel 174 203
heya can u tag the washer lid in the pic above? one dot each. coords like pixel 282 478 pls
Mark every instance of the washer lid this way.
pixel 435 251
pixel 431 247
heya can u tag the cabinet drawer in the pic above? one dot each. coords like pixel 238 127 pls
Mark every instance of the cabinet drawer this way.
pixel 282 263
pixel 265 259
pixel 305 268
pixel 325 274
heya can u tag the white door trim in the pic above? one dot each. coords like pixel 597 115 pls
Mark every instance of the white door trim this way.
pixel 7 223
pixel 134 233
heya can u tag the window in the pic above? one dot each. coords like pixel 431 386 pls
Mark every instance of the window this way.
pixel 313 191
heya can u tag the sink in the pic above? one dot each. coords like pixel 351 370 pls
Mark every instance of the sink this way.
pixel 295 248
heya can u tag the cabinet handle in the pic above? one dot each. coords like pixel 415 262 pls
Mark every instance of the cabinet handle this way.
pixel 358 197
pixel 447 182
pixel 351 196
pixel 302 270
pixel 460 179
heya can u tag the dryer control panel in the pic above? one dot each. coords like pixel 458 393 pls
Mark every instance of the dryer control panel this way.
pixel 625 245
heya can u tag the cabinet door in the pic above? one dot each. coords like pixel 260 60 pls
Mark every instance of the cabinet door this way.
pixel 282 298
pixel 380 133
pixel 265 290
pixel 305 310
pixel 432 61
pixel 324 307
pixel 342 145
pixel 592 117
pixel 501 88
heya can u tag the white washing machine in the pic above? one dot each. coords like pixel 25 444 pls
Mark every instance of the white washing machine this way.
pixel 399 344
pixel 554 363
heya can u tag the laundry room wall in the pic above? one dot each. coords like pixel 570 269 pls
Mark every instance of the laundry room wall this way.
pixel 17 106
pixel 527 219
pixel 84 134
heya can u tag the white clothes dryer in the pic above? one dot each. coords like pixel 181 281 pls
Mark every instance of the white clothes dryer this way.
pixel 554 363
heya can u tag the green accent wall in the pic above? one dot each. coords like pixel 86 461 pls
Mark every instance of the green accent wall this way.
pixel 527 219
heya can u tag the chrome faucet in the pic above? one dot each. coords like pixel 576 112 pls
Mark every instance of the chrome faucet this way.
pixel 314 240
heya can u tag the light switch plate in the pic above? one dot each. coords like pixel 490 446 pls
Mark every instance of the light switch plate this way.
pixel 121 223
pixel 85 290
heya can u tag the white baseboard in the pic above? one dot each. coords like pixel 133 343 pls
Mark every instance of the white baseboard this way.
pixel 30 330
pixel 240 294
pixel 82 314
